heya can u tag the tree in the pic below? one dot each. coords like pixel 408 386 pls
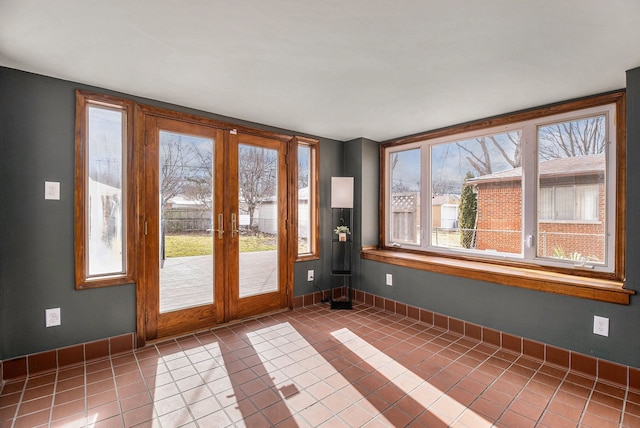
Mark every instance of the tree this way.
pixel 199 188
pixel 400 185
pixel 581 137
pixel 257 176
pixel 303 173
pixel 442 185
pixel 397 186
pixel 199 183
pixel 576 138
pixel 480 157
pixel 186 169
pixel 467 214
pixel 175 160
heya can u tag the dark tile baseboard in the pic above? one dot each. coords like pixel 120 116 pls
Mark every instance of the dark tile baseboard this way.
pixel 76 354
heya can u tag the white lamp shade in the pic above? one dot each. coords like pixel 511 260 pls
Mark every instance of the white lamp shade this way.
pixel 341 192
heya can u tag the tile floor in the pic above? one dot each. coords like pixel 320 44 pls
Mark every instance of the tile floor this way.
pixel 317 367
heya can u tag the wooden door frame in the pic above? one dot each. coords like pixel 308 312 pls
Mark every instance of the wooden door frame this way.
pixel 141 111
pixel 285 266
pixel 191 318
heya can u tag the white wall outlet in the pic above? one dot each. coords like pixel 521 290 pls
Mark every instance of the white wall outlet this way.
pixel 600 325
pixel 389 279
pixel 52 317
pixel 52 190
pixel 310 275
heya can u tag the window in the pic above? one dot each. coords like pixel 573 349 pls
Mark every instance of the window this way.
pixel 307 200
pixel 538 189
pixel 476 193
pixel 102 230
pixel 405 197
pixel 578 202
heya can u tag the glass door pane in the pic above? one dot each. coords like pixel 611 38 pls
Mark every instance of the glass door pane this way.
pixel 257 224
pixel 186 221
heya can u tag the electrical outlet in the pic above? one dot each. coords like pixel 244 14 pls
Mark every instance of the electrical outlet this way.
pixel 389 279
pixel 600 325
pixel 52 317
pixel 310 275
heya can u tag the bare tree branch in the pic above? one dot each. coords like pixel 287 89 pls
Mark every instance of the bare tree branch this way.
pixel 257 176
pixel 576 138
pixel 481 163
pixel 516 160
pixel 174 162
pixel 303 174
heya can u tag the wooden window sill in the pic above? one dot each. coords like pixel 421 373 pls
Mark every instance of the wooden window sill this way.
pixel 307 257
pixel 571 285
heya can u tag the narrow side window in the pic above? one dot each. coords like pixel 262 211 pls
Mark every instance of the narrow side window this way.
pixel 102 205
pixel 308 199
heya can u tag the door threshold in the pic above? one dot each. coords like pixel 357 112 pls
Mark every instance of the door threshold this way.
pixel 215 327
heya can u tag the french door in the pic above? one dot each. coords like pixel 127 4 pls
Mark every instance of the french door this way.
pixel 213 210
pixel 259 245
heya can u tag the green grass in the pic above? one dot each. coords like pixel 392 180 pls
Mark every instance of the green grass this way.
pixel 201 245
pixel 257 243
pixel 187 245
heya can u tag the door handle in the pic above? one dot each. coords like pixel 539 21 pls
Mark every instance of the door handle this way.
pixel 234 225
pixel 220 229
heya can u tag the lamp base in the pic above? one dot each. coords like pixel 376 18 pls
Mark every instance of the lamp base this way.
pixel 341 304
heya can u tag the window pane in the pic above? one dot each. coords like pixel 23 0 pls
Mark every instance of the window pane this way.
pixel 545 203
pixel 186 221
pixel 571 159
pixel 564 203
pixel 405 196
pixel 105 234
pixel 304 199
pixel 476 194
pixel 258 201
pixel 587 202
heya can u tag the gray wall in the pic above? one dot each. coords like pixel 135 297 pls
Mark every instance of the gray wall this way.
pixel 361 161
pixel 370 192
pixel 361 158
pixel 37 116
pixel 36 248
pixel 563 321
pixel 331 165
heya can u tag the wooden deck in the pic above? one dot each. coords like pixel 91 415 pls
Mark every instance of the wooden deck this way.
pixel 188 281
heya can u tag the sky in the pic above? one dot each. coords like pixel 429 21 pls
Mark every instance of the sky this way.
pixel 448 163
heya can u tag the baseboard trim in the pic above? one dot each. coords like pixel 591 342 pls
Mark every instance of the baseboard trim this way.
pixel 41 362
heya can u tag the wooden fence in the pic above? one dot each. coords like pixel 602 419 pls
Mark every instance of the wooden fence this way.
pixel 186 220
pixel 404 217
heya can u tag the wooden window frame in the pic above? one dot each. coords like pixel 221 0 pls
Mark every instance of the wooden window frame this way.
pixel 85 99
pixel 314 196
pixel 603 286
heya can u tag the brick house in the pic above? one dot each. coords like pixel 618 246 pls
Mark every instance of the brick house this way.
pixel 570 209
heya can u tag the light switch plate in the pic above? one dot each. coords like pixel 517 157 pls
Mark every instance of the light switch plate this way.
pixel 52 190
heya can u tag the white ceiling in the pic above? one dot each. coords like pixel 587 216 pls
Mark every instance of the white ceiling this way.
pixel 334 68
